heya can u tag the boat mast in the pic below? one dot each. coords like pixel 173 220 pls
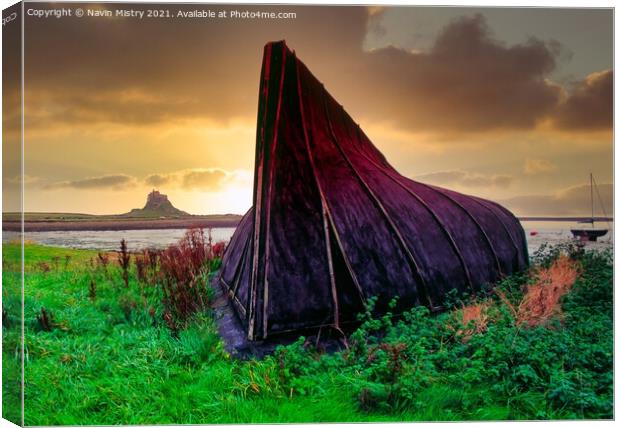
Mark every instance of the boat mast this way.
pixel 592 198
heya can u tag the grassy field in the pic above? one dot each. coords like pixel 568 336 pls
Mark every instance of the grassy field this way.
pixel 108 348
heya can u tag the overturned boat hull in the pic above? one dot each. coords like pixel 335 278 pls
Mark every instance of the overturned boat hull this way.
pixel 333 223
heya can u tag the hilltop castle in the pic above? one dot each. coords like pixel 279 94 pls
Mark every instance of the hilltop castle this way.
pixel 157 205
pixel 155 200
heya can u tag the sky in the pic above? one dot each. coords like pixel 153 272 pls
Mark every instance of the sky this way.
pixel 514 105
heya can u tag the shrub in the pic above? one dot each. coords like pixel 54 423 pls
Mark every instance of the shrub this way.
pixel 511 351
pixel 183 274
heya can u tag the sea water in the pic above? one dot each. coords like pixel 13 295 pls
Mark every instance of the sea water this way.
pixel 537 233
pixel 110 239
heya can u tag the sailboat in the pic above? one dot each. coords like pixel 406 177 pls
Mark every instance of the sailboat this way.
pixel 590 233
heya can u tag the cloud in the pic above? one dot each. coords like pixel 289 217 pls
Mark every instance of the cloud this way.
pixel 573 201
pixel 538 166
pixel 19 179
pixel 200 179
pixel 111 182
pixel 122 73
pixel 204 179
pixel 158 180
pixel 466 179
pixel 467 82
pixel 374 24
pixel 589 106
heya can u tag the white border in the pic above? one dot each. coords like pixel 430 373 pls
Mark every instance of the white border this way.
pixel 476 3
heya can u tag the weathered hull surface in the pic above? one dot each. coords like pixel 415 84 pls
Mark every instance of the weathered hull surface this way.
pixel 333 223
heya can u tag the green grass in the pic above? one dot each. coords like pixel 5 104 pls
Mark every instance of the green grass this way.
pixel 112 360
pixel 11 336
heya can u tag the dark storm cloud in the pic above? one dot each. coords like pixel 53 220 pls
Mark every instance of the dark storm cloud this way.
pixel 590 105
pixel 468 81
pixel 143 72
pixel 466 178
pixel 112 181
pixel 151 71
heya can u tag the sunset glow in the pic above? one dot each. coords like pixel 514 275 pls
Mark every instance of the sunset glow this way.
pixel 463 99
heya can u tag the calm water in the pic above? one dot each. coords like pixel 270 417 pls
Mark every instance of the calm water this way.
pixel 551 232
pixel 558 231
pixel 110 239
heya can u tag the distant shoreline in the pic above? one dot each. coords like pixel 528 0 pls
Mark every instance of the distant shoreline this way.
pixel 120 224
pixel 571 219
pixel 106 223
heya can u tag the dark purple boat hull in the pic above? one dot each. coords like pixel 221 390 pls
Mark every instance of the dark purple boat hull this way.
pixel 333 223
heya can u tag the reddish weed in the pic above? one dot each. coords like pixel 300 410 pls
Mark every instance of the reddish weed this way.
pixel 123 261
pixel 140 268
pixel 151 259
pixel 396 353
pixel 183 272
pixel 475 319
pixel 56 262
pixel 102 260
pixel 542 299
pixel 218 249
pixel 43 267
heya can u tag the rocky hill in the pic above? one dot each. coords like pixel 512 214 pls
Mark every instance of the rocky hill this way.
pixel 157 205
